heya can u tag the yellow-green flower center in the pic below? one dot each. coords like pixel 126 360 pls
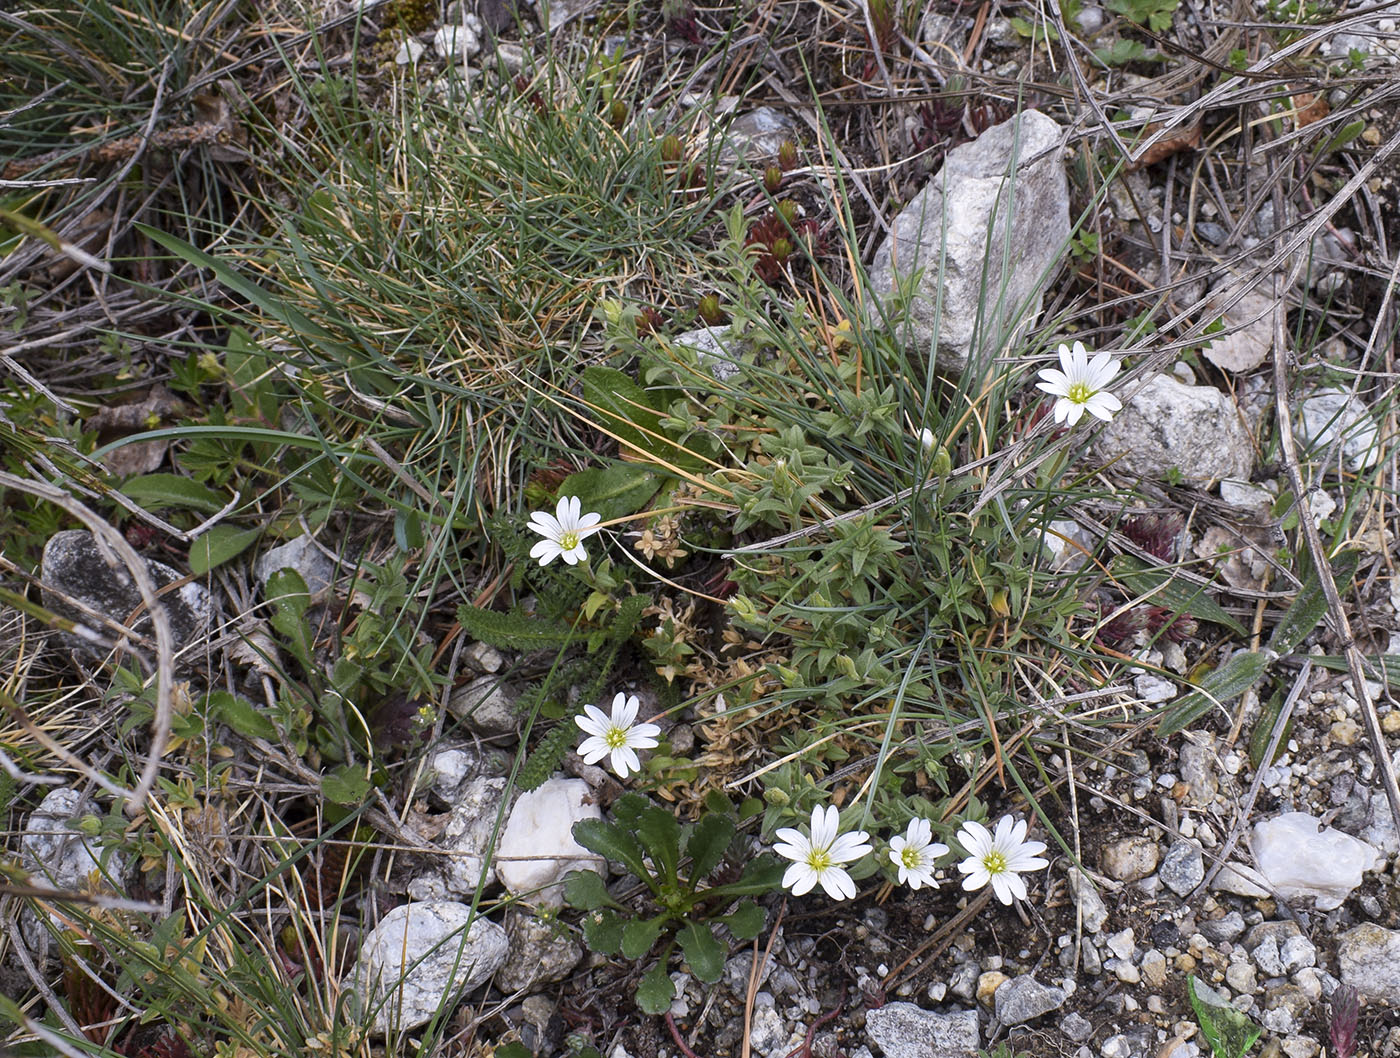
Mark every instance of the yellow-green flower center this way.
pixel 819 860
pixel 1080 392
pixel 569 540
pixel 994 862
pixel 911 857
pixel 616 737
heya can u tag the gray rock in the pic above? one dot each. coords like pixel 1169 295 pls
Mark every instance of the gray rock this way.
pixel 1249 327
pixel 1024 998
pixel 1332 416
pixel 1223 929
pixel 541 951
pixel 1122 944
pixel 487 706
pixel 1213 233
pixel 1369 957
pixel 1197 766
pixel 1168 427
pixel 1154 968
pixel 1266 955
pixel 562 11
pixel 75 568
pixel 756 136
pixel 1076 1027
pixel 1182 868
pixel 465 840
pixel 1131 858
pixel 902 1030
pixel 982 243
pixel 717 349
pixel 1093 911
pixel 483 657
pixel 453 763
pixel 1296 953
pixel 56 855
pixel 537 847
pixel 301 555
pixel 769 1035
pixel 459 41
pixel 1241 979
pixel 420 959
pixel 963 981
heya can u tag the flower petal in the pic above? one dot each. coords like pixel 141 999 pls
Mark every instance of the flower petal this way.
pixel 838 884
pixel 800 878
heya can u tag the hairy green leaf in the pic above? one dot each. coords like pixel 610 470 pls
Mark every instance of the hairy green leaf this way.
pixel 1230 680
pixel 704 953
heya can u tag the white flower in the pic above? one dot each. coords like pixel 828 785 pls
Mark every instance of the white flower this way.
pixel 1080 383
pixel 817 858
pixel 563 531
pixel 619 735
pixel 927 439
pixel 999 858
pixel 916 853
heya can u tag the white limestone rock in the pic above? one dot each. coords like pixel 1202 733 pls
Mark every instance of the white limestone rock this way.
pixel 1300 860
pixel 421 958
pixel 1167 428
pixel 537 847
pixel 983 235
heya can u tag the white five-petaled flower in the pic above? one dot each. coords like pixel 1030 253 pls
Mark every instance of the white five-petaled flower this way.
pixel 818 858
pixel 999 858
pixel 563 531
pixel 916 853
pixel 1080 383
pixel 619 735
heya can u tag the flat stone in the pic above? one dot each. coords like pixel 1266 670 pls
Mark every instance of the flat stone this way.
pixel 716 348
pixel 420 958
pixel 537 847
pixel 301 555
pixel 487 706
pixel 1093 911
pixel 979 243
pixel 902 1030
pixel 75 568
pixel 1182 868
pixel 1369 957
pixel 756 136
pixel 1023 998
pixel 1076 1027
pixel 1167 429
pixel 1131 858
pixel 1332 416
pixel 56 855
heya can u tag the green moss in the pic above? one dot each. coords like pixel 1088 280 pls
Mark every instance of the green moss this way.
pixel 412 16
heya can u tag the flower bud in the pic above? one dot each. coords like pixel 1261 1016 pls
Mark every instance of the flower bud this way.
pixel 787 155
pixel 772 179
pixel 710 311
pixel 617 113
pixel 787 209
pixel 781 248
pixel 671 148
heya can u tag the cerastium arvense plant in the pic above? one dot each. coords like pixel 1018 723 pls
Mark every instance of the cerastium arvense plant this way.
pixel 682 903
